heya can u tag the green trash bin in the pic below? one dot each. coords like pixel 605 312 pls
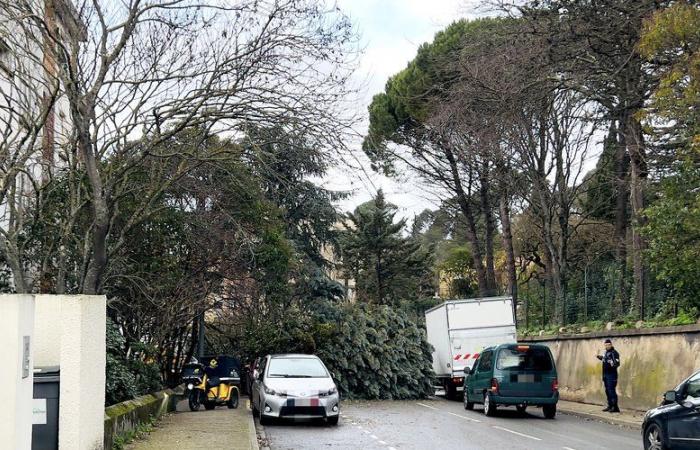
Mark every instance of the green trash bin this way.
pixel 45 407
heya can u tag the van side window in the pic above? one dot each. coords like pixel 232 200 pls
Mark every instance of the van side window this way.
pixel 486 361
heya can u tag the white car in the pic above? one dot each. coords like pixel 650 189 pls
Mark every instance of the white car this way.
pixel 294 386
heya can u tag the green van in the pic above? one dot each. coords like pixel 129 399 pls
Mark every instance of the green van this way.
pixel 513 375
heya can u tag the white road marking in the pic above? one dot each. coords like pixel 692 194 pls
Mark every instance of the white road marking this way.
pixel 464 417
pixel 516 433
pixel 374 437
pixel 568 448
pixel 391 448
pixel 382 442
pixel 366 432
pixel 426 406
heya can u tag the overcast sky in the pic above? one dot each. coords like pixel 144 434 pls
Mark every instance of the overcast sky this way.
pixel 391 32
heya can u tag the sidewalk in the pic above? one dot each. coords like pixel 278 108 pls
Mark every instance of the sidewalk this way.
pixel 627 418
pixel 222 428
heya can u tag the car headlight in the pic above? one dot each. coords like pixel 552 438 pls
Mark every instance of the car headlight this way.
pixel 269 391
pixel 190 386
pixel 329 392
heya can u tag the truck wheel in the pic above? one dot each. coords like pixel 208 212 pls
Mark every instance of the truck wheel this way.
pixel 467 404
pixel 521 409
pixel 450 391
pixel 489 406
pixel 549 411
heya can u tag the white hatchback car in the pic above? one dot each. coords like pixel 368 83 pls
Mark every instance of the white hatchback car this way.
pixel 294 386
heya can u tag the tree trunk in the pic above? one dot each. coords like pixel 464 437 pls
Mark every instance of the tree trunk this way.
pixel 463 202
pixel 635 147
pixel 621 220
pixel 490 227
pixel 98 258
pixel 507 237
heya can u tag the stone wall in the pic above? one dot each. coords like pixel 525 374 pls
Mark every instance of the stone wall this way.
pixel 127 416
pixel 654 360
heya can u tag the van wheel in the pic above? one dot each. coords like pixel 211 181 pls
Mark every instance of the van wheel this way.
pixel 467 404
pixel 521 409
pixel 333 420
pixel 549 411
pixel 654 438
pixel 489 405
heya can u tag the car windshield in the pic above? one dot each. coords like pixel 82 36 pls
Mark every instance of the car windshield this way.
pixel 524 358
pixel 296 368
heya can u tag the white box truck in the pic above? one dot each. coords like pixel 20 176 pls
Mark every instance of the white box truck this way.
pixel 459 329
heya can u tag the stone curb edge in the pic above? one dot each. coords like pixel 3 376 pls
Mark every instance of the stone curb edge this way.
pixel 612 420
pixel 252 431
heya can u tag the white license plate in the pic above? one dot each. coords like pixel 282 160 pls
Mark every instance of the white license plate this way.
pixel 526 378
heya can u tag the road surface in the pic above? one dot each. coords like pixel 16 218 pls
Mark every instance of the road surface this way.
pixel 444 425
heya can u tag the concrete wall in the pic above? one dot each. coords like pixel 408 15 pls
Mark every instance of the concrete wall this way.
pixel 70 332
pixel 47 330
pixel 127 416
pixel 653 361
pixel 16 322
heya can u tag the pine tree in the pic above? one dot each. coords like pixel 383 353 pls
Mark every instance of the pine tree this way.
pixel 387 266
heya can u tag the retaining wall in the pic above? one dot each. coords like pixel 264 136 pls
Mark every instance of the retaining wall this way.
pixel 654 361
pixel 127 416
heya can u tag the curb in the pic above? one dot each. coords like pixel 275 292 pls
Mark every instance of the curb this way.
pixel 252 432
pixel 612 420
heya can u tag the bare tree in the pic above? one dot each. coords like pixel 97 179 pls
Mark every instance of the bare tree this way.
pixel 141 72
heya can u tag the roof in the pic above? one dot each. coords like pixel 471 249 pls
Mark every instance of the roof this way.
pixel 294 355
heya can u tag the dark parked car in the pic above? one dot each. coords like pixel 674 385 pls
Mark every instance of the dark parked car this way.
pixel 513 375
pixel 676 423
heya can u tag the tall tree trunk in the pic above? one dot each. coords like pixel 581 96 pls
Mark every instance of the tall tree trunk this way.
pixel 635 147
pixel 490 227
pixel 98 257
pixel 468 214
pixel 621 181
pixel 507 236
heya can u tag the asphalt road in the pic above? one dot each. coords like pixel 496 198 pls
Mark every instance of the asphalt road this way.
pixel 443 425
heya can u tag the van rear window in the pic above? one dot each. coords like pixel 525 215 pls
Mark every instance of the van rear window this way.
pixel 533 358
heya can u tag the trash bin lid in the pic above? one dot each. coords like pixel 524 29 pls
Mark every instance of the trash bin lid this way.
pixel 48 371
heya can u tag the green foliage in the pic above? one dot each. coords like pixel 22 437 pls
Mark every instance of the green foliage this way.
pixel 387 266
pixel 673 231
pixel 143 428
pixel 375 352
pixel 127 377
pixel 672 36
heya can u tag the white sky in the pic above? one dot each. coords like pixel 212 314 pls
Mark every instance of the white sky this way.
pixel 391 32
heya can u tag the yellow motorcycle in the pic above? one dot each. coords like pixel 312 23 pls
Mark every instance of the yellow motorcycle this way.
pixel 216 384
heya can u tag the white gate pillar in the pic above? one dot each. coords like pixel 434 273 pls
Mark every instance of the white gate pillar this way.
pixel 16 375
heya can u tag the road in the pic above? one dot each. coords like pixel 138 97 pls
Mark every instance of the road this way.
pixel 444 425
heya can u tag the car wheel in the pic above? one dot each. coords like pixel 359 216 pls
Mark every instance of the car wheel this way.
pixel 467 404
pixel 489 405
pixel 264 420
pixel 521 409
pixel 654 438
pixel 233 400
pixel 333 420
pixel 550 411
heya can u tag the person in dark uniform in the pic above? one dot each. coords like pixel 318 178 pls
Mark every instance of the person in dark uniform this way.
pixel 611 361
